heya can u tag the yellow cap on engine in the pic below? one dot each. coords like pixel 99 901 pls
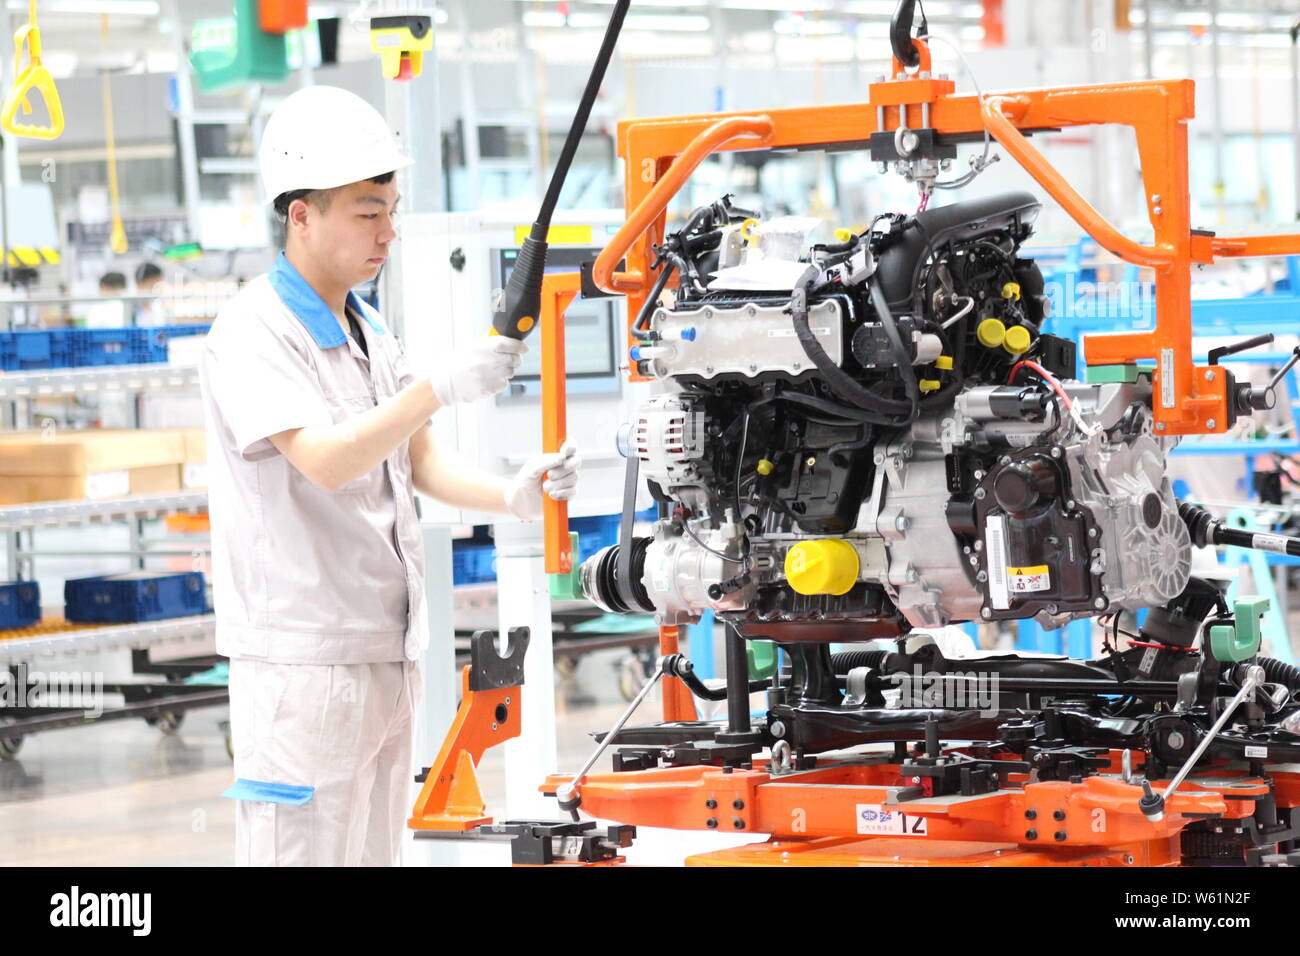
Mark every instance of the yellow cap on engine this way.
pixel 929 384
pixel 764 467
pixel 990 333
pixel 747 231
pixel 943 362
pixel 822 566
pixel 1011 291
pixel 1017 340
pixel 844 235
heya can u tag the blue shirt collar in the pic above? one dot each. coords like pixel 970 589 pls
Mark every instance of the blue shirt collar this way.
pixel 311 310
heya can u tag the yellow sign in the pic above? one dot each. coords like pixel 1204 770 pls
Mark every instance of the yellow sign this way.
pixel 559 235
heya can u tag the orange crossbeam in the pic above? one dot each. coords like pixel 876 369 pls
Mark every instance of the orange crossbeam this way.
pixel 660 154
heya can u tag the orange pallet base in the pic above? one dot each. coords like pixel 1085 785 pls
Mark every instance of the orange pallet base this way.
pixel 900 851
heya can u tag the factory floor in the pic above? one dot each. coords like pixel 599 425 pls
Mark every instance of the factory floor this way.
pixel 122 793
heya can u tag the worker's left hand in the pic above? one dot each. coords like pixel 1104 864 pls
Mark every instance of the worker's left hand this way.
pixel 524 496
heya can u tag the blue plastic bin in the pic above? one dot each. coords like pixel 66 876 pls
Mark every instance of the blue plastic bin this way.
pixel 20 604
pixel 135 596
pixel 99 347
pixel 473 562
pixel 34 349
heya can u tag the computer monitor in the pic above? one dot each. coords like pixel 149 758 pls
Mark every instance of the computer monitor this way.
pixel 591 335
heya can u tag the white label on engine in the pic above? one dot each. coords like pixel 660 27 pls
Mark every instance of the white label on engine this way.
pixel 1148 660
pixel 787 333
pixel 1268 542
pixel 995 542
pixel 876 819
pixel 1024 580
pixel 1258 753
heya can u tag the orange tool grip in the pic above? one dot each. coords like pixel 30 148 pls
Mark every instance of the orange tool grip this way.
pixel 558 290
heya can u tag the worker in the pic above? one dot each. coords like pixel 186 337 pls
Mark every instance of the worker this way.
pixel 149 281
pixel 318 436
pixel 109 313
pixel 147 278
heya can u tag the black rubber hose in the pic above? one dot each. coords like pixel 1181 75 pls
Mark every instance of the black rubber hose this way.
pixel 652 300
pixel 702 691
pixel 845 661
pixel 832 408
pixel 901 355
pixel 1280 672
pixel 840 381
pixel 631 482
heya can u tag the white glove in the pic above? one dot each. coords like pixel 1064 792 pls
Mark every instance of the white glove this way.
pixel 477 372
pixel 524 496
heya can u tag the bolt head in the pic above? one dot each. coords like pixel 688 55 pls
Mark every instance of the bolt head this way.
pixel 1210 423
pixel 985 613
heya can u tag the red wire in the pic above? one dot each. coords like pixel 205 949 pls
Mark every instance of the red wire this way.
pixel 1163 647
pixel 1046 377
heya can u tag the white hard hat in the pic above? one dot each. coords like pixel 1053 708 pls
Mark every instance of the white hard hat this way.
pixel 321 137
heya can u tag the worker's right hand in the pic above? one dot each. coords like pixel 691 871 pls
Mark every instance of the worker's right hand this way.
pixel 477 372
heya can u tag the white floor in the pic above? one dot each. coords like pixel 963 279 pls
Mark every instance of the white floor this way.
pixel 122 793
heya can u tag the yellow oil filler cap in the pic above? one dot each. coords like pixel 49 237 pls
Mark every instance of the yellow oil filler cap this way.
pixel 990 333
pixel 1011 290
pixel 1017 340
pixel 764 467
pixel 822 566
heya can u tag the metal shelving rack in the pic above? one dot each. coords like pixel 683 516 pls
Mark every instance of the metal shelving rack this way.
pixel 160 703
pixel 135 637
pixel 70 382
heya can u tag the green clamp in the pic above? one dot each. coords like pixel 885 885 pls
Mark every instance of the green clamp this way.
pixel 568 587
pixel 762 659
pixel 1239 641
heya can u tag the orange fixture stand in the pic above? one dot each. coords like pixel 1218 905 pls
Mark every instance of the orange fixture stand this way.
pixel 488 715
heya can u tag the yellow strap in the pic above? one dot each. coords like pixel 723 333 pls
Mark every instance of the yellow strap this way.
pixel 117 237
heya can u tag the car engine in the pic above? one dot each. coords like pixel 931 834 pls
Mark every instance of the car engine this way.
pixel 858 437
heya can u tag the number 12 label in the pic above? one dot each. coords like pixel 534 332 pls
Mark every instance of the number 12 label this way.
pixel 874 818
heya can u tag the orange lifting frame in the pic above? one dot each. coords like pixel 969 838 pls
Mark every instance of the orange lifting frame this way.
pixel 661 154
pixel 558 292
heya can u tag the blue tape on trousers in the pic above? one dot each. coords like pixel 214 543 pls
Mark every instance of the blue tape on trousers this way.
pixel 264 792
